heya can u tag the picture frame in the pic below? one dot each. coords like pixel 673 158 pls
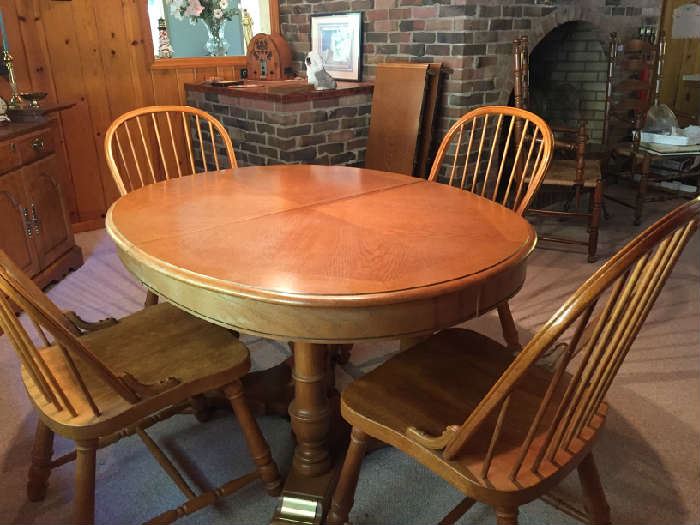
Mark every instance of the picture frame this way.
pixel 337 38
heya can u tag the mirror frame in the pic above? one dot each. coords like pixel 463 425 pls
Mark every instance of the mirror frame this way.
pixel 201 62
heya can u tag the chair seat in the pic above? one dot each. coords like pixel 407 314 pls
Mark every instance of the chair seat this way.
pixel 152 345
pixel 439 383
pixel 562 172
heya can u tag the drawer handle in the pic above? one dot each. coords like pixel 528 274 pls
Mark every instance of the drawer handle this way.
pixel 13 147
pixel 38 144
pixel 36 221
pixel 27 222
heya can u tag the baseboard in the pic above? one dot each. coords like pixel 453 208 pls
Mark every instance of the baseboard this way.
pixel 88 225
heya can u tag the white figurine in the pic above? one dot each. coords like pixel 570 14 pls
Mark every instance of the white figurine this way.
pixel 316 73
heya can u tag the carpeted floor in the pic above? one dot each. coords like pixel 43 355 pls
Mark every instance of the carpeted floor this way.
pixel 649 455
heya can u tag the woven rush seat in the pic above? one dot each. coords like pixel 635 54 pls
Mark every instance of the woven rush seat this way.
pixel 563 171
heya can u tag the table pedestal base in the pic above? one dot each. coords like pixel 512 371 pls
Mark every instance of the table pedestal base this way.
pixel 306 500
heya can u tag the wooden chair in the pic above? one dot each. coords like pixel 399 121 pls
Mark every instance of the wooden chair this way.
pixel 505 430
pixel 582 176
pixel 635 72
pixel 632 86
pixel 98 386
pixel 502 154
pixel 157 143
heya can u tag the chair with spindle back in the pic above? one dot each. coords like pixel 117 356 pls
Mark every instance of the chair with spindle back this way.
pixel 572 170
pixel 157 143
pixel 502 154
pixel 97 387
pixel 504 431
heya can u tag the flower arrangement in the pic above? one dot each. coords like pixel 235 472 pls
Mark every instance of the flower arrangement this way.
pixel 214 13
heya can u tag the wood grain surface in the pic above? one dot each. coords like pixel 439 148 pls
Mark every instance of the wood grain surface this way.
pixel 297 252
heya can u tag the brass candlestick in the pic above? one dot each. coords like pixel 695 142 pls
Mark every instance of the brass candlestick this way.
pixel 15 101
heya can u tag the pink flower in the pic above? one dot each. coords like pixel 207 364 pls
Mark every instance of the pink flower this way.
pixel 194 9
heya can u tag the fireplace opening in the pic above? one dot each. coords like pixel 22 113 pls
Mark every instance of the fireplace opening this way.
pixel 568 72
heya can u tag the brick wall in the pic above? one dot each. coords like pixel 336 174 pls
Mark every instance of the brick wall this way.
pixel 325 131
pixel 568 72
pixel 471 37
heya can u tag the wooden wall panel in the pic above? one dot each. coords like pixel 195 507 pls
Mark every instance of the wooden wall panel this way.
pixel 97 54
pixel 682 58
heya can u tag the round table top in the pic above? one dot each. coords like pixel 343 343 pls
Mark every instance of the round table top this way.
pixel 317 236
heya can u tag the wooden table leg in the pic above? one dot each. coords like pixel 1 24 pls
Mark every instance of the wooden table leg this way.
pixel 309 410
pixel 642 191
pixel 311 480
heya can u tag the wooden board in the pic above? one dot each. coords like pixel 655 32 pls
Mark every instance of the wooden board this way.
pixel 394 142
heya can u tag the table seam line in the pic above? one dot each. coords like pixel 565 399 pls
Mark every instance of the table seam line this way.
pixel 270 214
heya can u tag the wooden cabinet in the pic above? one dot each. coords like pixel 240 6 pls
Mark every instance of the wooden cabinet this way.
pixel 35 230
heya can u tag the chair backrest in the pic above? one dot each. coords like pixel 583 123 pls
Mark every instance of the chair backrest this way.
pixel 156 143
pixel 624 289
pixel 635 70
pixel 65 391
pixel 521 72
pixel 498 152
pixel 571 140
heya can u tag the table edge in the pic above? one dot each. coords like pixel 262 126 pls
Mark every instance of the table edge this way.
pixel 298 299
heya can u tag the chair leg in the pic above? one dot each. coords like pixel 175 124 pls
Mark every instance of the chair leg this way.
pixel 200 407
pixel 510 333
pixel 40 470
pixel 258 447
pixel 642 190
pixel 84 499
pixel 594 225
pixel 593 494
pixel 507 515
pixel 151 299
pixel 344 495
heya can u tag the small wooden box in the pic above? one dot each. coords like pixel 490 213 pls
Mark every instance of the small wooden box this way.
pixel 269 58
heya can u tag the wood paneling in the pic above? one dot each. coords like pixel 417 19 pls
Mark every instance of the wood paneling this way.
pixel 682 58
pixel 97 54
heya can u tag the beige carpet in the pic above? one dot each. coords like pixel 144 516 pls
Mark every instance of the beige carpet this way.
pixel 649 456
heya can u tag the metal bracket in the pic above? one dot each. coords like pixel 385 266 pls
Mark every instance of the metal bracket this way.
pixel 36 221
pixel 27 222
pixel 298 510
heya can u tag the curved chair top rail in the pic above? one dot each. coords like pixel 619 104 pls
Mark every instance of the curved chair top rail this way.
pixel 155 143
pixel 499 152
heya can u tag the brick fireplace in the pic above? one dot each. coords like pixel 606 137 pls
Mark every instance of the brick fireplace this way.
pixel 472 38
pixel 568 72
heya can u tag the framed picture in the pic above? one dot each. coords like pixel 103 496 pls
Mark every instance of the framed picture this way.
pixel 338 39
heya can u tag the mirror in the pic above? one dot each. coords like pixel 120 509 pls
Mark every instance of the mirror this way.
pixel 203 28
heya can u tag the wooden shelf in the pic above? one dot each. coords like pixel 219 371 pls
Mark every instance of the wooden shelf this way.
pixel 197 62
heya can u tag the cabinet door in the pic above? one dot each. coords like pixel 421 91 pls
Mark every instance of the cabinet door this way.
pixel 51 226
pixel 15 237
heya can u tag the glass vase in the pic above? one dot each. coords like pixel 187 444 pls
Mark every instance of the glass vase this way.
pixel 216 45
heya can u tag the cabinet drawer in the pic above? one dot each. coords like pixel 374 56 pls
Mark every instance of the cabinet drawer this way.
pixel 9 156
pixel 36 146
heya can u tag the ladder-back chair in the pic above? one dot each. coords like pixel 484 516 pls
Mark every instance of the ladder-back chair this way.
pixel 156 143
pixel 504 430
pixel 572 171
pixel 635 72
pixel 99 386
pixel 502 154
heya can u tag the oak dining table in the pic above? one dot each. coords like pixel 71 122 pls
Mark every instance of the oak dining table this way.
pixel 317 256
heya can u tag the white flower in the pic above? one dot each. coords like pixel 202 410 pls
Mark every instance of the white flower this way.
pixel 218 13
pixel 223 4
